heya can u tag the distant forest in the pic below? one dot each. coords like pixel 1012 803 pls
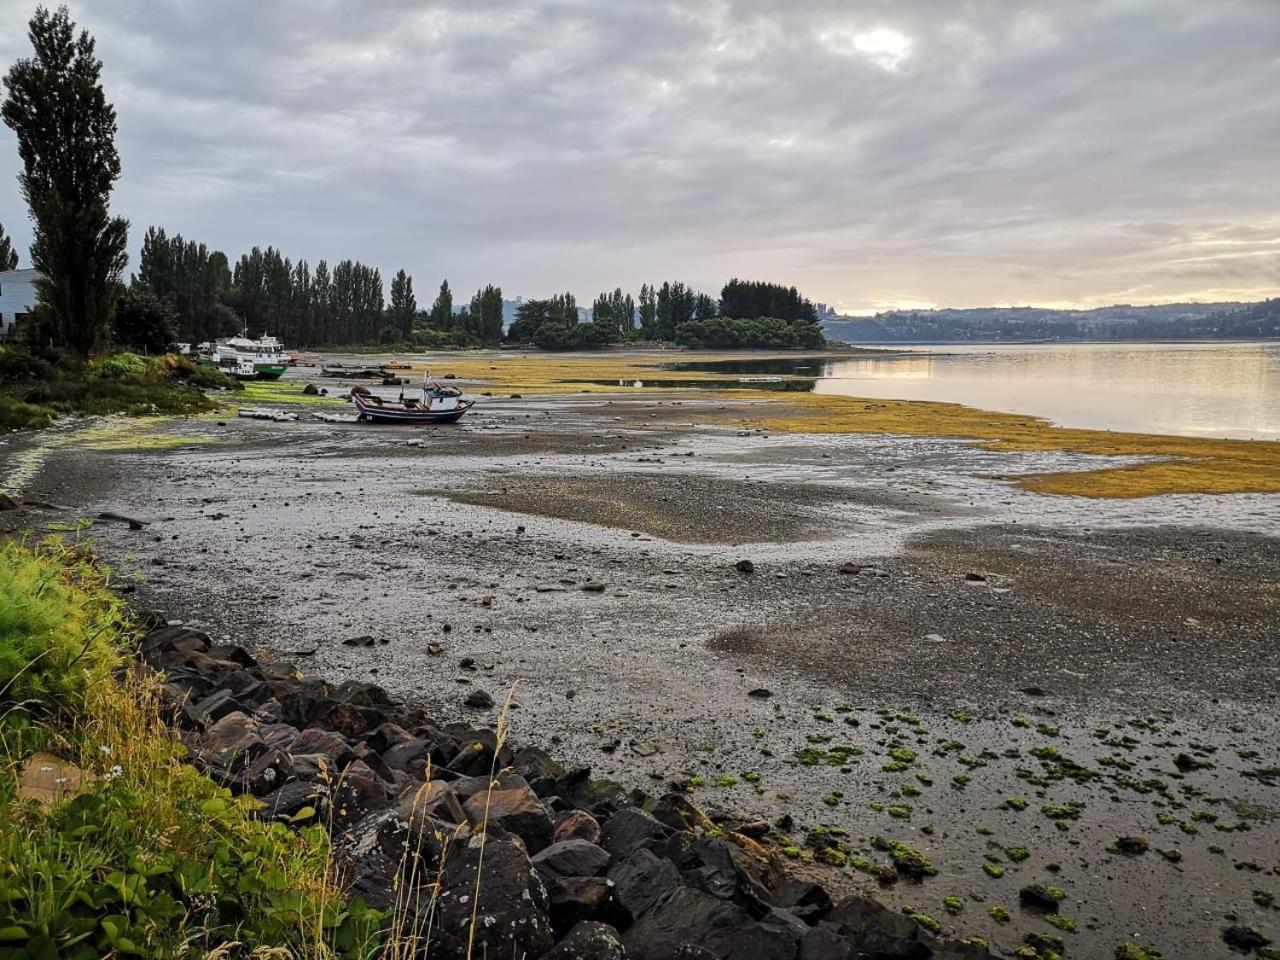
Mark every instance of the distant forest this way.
pixel 343 305
pixel 1174 321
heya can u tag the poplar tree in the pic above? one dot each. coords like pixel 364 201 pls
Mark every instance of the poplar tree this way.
pixel 404 306
pixel 8 255
pixel 442 309
pixel 66 140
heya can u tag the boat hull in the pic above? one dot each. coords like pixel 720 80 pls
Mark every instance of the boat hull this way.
pixel 269 371
pixel 389 413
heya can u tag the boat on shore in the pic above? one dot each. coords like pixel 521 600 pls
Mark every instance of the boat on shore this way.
pixel 438 404
pixel 246 358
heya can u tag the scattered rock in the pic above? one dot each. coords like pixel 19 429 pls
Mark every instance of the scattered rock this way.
pixel 1242 938
pixel 311 390
pixel 8 503
pixel 1038 896
pixel 760 693
pixel 366 640
pixel 479 700
pixel 745 566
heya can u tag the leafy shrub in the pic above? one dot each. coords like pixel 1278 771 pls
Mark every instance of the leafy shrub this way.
pixel 57 622
pixel 16 415
pixel 118 366
pixel 149 858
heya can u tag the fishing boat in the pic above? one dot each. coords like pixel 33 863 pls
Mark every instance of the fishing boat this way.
pixel 237 356
pixel 439 404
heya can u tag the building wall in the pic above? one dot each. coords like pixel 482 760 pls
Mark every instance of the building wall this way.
pixel 17 296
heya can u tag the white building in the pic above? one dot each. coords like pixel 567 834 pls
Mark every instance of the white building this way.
pixel 17 298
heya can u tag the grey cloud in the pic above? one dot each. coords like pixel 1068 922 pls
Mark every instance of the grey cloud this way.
pixel 921 150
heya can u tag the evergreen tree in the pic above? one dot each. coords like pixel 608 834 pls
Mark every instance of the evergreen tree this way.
pixel 66 140
pixel 442 309
pixel 404 306
pixel 486 314
pixel 648 312
pixel 8 255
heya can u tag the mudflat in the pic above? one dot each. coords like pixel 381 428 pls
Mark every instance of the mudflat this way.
pixel 1027 688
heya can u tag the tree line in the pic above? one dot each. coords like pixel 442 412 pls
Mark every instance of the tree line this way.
pixel 185 291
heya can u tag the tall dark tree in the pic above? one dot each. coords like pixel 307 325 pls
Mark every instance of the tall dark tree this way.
pixel 144 322
pixel 66 139
pixel 442 309
pixel 648 312
pixel 8 255
pixel 404 305
pixel 614 313
pixel 486 314
pixel 747 300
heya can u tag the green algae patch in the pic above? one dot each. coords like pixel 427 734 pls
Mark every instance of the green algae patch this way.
pixel 259 392
pixel 1175 464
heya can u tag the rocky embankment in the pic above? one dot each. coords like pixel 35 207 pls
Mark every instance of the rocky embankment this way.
pixel 569 867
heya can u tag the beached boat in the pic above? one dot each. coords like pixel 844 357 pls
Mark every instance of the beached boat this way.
pixel 266 356
pixel 439 404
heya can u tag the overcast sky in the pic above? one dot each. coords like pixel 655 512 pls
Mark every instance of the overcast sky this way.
pixel 915 152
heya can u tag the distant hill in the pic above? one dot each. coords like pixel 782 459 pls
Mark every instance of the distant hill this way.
pixel 1120 322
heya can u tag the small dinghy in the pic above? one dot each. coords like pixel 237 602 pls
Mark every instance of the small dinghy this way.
pixel 439 404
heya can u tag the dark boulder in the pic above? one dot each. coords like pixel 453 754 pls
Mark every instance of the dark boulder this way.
pixel 629 829
pixel 412 757
pixel 291 798
pixel 1037 896
pixel 570 858
pixel 211 709
pixel 511 904
pixel 724 930
pixel 359 791
pixel 825 943
pixel 577 824
pixel 516 810
pixel 805 899
pixel 326 743
pixel 879 933
pixel 574 899
pixel 1245 939
pixel 229 748
pixel 386 736
pixel 589 941
pixel 642 881
pixel 435 800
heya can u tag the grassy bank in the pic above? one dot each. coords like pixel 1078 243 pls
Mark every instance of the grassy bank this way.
pixel 36 388
pixel 142 855
pixel 1176 465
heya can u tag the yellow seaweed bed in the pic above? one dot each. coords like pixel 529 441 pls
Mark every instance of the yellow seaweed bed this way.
pixel 1178 464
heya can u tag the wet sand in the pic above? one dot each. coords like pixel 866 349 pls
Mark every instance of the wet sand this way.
pixel 1116 635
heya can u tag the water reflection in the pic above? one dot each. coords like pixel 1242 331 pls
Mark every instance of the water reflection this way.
pixel 1195 389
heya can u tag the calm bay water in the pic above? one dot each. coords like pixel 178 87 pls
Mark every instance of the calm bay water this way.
pixel 1192 389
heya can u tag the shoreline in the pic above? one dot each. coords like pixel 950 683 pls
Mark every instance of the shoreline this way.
pixel 657 497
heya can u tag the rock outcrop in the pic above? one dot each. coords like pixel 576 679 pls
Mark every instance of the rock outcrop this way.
pixel 452 828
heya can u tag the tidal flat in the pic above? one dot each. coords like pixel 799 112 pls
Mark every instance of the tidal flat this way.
pixel 1027 685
